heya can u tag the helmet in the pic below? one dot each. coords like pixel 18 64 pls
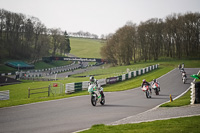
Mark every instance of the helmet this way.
pixel 92 79
pixel 154 80
pixel 144 80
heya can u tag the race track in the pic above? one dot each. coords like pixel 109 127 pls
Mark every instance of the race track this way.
pixel 77 113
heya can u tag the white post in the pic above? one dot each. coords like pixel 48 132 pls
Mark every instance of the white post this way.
pixel 192 100
pixel 55 76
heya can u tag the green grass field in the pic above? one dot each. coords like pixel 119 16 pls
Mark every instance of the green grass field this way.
pixel 178 125
pixel 87 48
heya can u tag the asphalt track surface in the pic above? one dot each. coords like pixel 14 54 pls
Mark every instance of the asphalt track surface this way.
pixel 77 113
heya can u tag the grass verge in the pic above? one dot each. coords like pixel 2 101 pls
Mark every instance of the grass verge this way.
pixel 182 101
pixel 183 125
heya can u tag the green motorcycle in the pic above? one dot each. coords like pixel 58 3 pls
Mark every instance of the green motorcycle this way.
pixel 97 95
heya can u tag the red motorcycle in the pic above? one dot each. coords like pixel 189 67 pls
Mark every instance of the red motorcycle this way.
pixel 146 91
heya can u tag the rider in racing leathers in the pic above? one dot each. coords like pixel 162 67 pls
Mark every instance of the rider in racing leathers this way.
pixel 94 81
pixel 144 82
pixel 156 81
pixel 184 74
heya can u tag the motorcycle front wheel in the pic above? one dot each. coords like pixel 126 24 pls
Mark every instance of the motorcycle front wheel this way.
pixel 156 91
pixel 147 94
pixel 93 100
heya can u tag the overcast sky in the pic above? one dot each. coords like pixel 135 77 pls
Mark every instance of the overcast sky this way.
pixel 97 16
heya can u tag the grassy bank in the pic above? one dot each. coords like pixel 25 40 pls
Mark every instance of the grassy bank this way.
pixel 87 48
pixel 182 101
pixel 183 125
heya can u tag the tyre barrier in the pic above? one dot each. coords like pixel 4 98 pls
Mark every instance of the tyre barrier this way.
pixel 197 92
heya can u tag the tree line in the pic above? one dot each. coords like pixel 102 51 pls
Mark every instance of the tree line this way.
pixel 26 37
pixel 176 36
pixel 83 34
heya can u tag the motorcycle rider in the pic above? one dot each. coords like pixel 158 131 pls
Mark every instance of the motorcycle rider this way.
pixel 144 82
pixel 184 74
pixel 94 81
pixel 183 65
pixel 156 81
pixel 179 66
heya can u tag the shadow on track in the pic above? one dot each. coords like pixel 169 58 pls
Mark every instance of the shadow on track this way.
pixel 112 105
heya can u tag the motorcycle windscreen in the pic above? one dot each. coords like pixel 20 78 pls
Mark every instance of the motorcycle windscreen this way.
pixel 91 88
pixel 144 88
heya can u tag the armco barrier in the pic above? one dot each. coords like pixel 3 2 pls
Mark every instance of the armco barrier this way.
pixel 137 73
pixel 78 86
pixel 5 95
pixel 192 94
pixel 74 87
pixel 111 80
pixel 85 85
pixel 101 82
pixel 147 69
pixel 126 75
pixel 123 77
pixel 70 88
pixel 120 78
pixel 129 75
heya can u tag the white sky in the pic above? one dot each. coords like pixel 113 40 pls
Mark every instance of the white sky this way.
pixel 97 16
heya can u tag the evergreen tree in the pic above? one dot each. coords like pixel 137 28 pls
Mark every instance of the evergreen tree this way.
pixel 67 48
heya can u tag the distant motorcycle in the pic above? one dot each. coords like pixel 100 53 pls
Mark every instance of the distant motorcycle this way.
pixel 184 80
pixel 146 91
pixel 156 88
pixel 184 77
pixel 96 95
pixel 182 70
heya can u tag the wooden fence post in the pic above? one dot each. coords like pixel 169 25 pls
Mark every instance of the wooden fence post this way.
pixel 49 90
pixel 29 92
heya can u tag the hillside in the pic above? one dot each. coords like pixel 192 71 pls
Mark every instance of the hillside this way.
pixel 80 47
pixel 86 48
